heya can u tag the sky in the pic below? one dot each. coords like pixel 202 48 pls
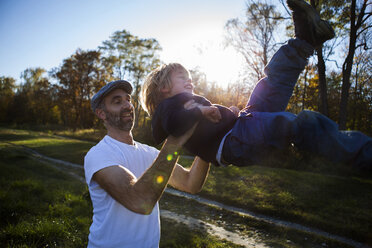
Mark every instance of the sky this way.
pixel 41 33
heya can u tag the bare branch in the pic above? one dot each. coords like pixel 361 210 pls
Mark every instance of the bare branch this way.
pixel 367 16
pixel 334 61
pixel 364 29
pixel 364 44
pixel 285 7
pixel 361 15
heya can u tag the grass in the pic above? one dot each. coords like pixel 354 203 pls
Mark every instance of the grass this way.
pixel 266 233
pixel 71 150
pixel 333 199
pixel 40 206
pixel 44 207
pixel 339 205
pixel 84 134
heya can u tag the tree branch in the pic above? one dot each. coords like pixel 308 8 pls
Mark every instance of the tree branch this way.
pixel 364 29
pixel 367 15
pixel 361 15
pixel 360 45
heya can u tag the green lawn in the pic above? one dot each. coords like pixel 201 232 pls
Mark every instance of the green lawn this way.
pixel 40 205
pixel 43 206
pixel 332 200
pixel 339 205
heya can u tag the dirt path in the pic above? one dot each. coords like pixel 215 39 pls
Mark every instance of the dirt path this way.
pixel 195 223
pixel 220 232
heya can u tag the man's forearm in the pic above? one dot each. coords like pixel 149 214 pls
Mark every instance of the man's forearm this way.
pixel 198 175
pixel 190 180
pixel 153 182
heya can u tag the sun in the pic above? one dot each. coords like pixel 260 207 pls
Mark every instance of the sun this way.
pixel 221 65
pixel 203 47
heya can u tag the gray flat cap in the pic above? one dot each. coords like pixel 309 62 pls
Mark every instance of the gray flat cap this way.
pixel 118 84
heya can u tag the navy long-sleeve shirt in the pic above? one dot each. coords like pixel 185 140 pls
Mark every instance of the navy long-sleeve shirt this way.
pixel 171 118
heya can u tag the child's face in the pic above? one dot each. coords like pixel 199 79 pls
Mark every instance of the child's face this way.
pixel 181 82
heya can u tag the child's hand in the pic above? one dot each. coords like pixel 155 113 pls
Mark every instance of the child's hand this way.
pixel 212 113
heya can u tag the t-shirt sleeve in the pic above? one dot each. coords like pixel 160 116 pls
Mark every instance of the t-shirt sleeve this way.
pixel 97 159
pixel 152 151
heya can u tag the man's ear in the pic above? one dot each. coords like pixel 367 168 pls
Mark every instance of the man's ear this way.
pixel 101 114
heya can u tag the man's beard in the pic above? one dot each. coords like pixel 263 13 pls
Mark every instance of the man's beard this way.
pixel 115 120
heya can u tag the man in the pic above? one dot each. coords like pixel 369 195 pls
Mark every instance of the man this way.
pixel 126 178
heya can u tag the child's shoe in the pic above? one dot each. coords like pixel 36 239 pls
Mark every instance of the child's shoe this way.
pixel 308 25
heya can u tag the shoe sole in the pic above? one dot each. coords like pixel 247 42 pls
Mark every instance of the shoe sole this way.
pixel 322 28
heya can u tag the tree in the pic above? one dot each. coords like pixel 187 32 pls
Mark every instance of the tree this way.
pixel 131 58
pixel 7 91
pixel 323 53
pixel 33 102
pixel 360 105
pixel 357 14
pixel 306 91
pixel 326 13
pixel 80 76
pixel 236 94
pixel 254 38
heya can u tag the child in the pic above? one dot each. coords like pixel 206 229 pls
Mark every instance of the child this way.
pixel 263 126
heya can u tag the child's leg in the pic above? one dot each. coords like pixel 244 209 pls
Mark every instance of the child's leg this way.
pixel 273 92
pixel 314 132
pixel 255 137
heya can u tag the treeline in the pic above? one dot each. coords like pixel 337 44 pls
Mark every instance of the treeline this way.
pixel 62 96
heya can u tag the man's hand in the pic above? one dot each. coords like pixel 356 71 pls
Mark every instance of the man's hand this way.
pixel 235 110
pixel 212 113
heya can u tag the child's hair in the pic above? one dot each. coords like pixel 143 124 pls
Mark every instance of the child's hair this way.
pixel 158 79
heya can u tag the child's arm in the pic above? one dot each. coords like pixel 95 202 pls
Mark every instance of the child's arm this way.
pixel 176 120
pixel 212 113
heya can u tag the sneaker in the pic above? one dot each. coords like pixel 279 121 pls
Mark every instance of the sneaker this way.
pixel 308 25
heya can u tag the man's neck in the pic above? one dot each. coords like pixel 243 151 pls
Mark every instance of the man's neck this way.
pixel 122 136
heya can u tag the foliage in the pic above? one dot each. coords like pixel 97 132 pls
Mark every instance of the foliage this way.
pixel 131 58
pixel 33 101
pixel 7 90
pixel 79 77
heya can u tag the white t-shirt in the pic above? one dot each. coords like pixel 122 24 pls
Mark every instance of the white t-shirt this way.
pixel 113 224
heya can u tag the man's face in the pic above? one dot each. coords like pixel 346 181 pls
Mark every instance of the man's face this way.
pixel 118 110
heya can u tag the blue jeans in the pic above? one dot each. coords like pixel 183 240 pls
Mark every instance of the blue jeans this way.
pixel 264 127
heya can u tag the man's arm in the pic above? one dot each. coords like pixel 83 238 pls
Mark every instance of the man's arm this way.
pixel 140 195
pixel 190 180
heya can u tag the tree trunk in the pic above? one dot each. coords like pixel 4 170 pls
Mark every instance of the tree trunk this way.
pixel 304 91
pixel 323 103
pixel 346 73
pixel 346 68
